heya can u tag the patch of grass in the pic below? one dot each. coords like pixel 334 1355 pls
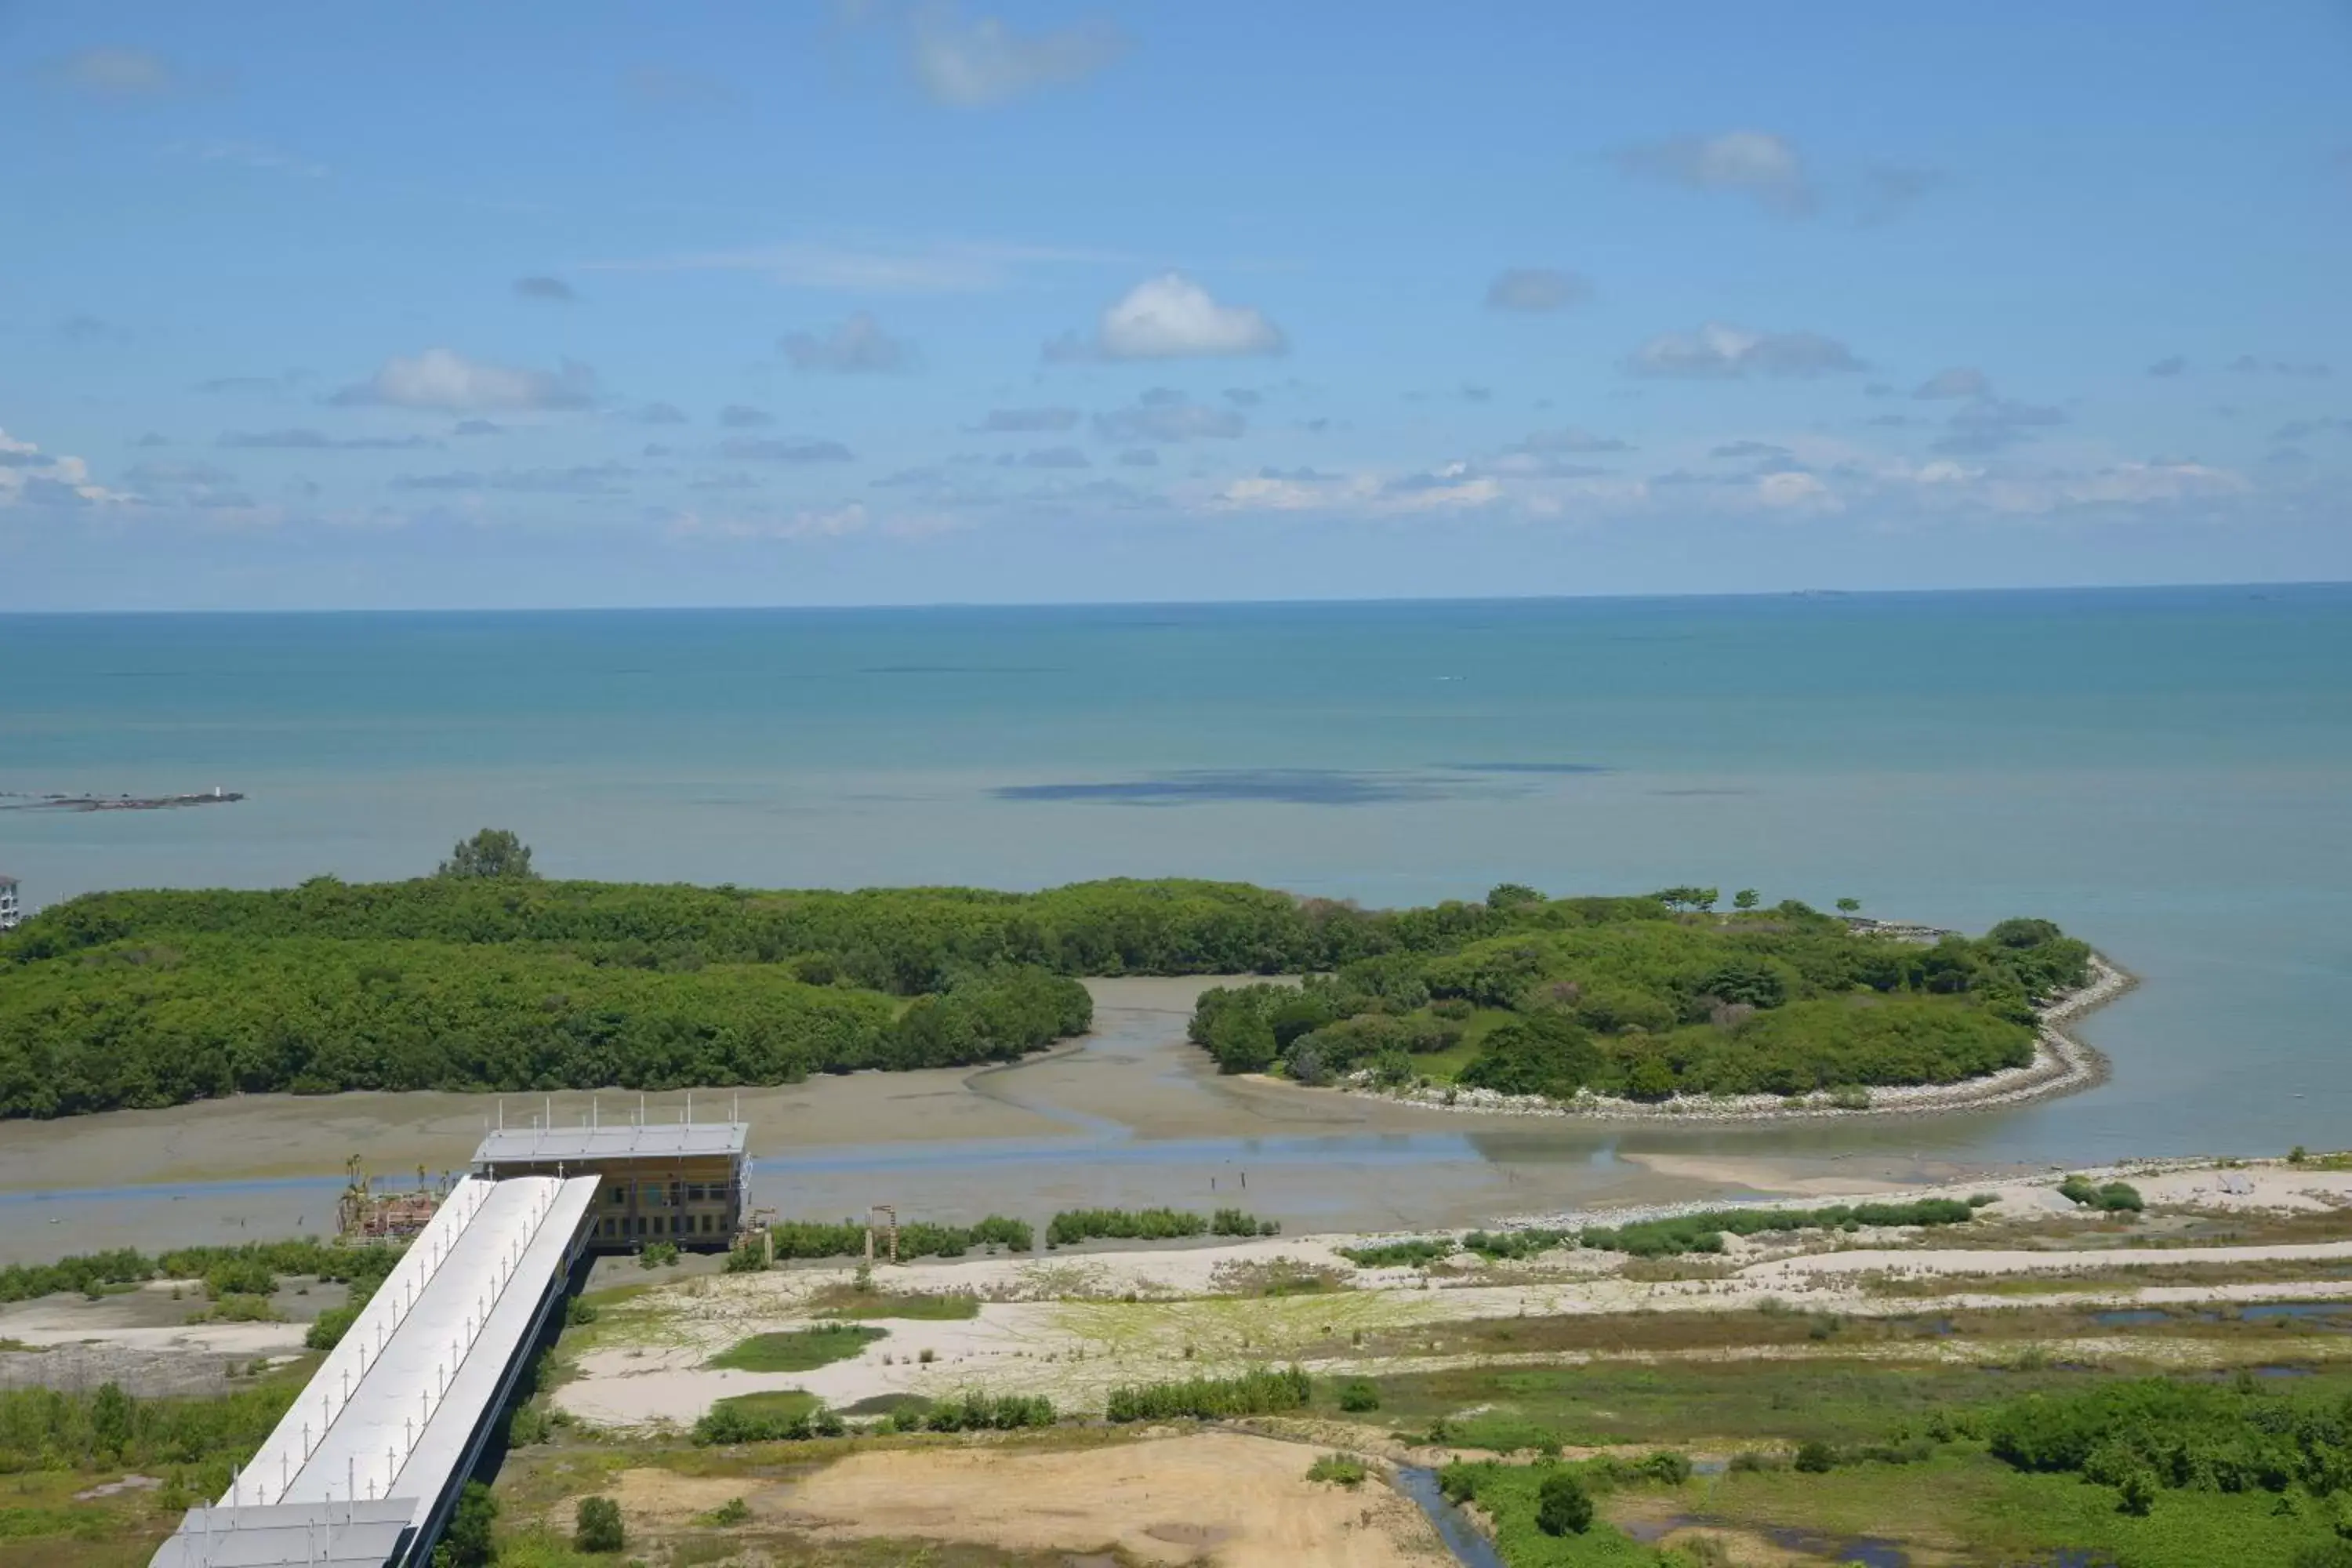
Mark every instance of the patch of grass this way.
pixel 914 1305
pixel 1339 1470
pixel 798 1350
pixel 775 1405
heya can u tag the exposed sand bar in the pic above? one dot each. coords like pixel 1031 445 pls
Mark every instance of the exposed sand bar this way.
pixel 1131 1115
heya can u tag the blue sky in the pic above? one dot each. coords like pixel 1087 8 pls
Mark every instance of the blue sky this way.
pixel 522 305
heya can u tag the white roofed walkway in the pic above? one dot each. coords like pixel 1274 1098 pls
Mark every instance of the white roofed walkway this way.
pixel 399 1409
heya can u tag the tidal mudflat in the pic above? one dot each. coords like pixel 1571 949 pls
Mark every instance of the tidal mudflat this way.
pixel 1130 1115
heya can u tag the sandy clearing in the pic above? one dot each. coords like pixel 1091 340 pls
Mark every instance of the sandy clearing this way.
pixel 1073 1327
pixel 1241 1502
pixel 1757 1175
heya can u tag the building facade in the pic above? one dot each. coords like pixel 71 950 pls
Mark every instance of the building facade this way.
pixel 683 1183
pixel 10 911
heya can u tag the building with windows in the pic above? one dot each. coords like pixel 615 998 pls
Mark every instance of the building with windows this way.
pixel 681 1182
pixel 10 911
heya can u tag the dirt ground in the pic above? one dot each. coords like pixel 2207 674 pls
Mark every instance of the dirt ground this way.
pixel 1242 1502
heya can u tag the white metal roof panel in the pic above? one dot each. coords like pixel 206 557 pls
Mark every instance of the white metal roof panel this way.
pixel 521 1145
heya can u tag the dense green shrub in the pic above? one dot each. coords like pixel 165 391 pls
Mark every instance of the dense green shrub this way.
pixel 1238 1222
pixel 597 1527
pixel 1418 1252
pixel 1496 1246
pixel 360 1266
pixel 916 1239
pixel 977 1411
pixel 42 1428
pixel 1360 1395
pixel 1563 1506
pixel 730 1422
pixel 469 1540
pixel 2112 1197
pixel 1627 997
pixel 1259 1391
pixel 1703 1232
pixel 1073 1226
pixel 2181 1434
pixel 327 1329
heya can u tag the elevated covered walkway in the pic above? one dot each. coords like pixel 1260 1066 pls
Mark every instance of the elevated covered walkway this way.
pixel 365 1467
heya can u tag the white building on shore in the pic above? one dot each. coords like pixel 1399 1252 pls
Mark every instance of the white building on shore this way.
pixel 10 911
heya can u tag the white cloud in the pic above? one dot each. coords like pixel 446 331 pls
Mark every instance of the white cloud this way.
pixel 1716 351
pixel 30 476
pixel 857 346
pixel 448 383
pixel 1536 289
pixel 1794 491
pixel 1749 163
pixel 983 62
pixel 1171 317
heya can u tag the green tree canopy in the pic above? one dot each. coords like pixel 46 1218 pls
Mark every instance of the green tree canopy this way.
pixel 492 852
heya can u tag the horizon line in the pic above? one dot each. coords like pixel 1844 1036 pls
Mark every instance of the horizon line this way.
pixel 1367 599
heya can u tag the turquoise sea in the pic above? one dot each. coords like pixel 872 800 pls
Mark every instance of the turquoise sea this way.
pixel 2167 772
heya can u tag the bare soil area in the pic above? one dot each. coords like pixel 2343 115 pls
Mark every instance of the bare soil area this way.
pixel 1242 1502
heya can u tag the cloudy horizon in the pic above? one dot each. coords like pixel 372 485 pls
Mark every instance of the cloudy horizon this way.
pixel 886 303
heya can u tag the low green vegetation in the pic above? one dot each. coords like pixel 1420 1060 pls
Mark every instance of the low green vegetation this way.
pixel 1418 1253
pixel 495 979
pixel 1646 998
pixel 1339 1470
pixel 2028 1460
pixel 799 1350
pixel 1259 1391
pixel 597 1526
pixel 200 1439
pixel 914 1306
pixel 252 1268
pixel 976 1412
pixel 786 1415
pixel 1074 1226
pixel 916 1239
pixel 1071 1227
pixel 1704 1232
pixel 2112 1198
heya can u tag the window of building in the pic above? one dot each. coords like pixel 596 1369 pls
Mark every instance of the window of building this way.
pixel 620 1195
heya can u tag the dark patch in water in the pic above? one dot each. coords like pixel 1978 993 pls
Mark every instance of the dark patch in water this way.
pixel 1525 768
pixel 2130 1318
pixel 957 669
pixel 1290 786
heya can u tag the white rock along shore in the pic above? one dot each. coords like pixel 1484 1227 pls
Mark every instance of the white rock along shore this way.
pixel 2062 1064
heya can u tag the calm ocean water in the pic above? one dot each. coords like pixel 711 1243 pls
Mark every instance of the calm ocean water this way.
pixel 2167 772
